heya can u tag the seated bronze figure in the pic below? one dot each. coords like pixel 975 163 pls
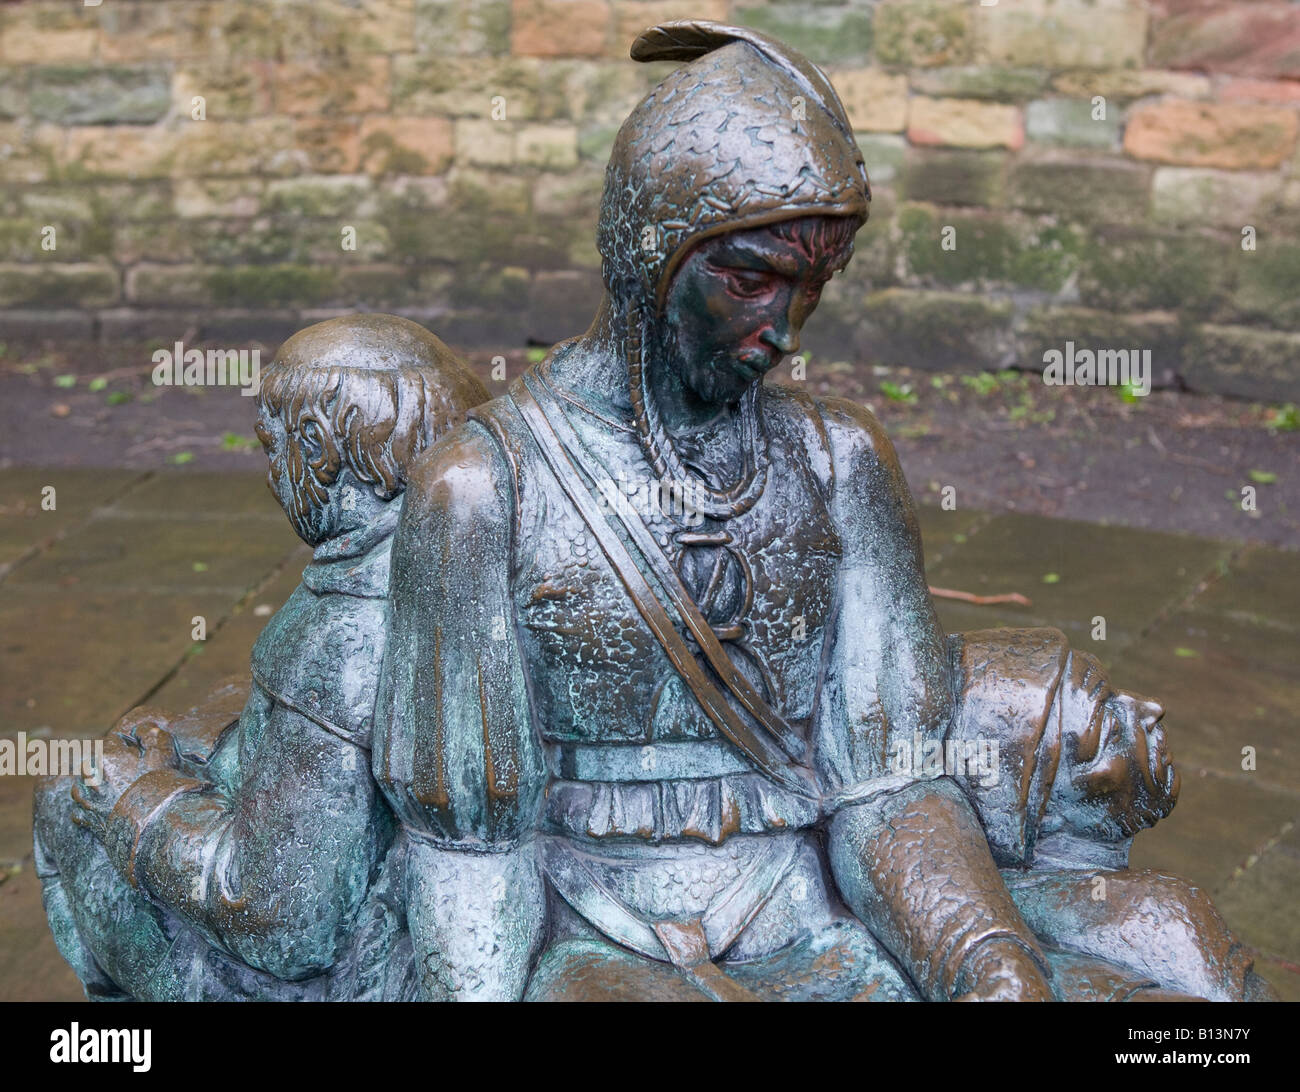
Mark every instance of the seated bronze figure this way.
pixel 629 686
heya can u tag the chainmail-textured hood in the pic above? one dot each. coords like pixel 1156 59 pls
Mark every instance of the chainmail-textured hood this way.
pixel 749 133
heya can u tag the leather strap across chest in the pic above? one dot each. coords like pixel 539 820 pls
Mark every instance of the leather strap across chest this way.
pixel 765 739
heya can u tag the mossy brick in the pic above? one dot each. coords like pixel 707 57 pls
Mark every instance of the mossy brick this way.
pixel 150 284
pixel 377 286
pixel 324 146
pixel 987 249
pixel 273 284
pixel 954 176
pixel 596 142
pixel 1060 34
pixel 322 196
pixel 832 35
pixel 1072 122
pixel 478 28
pixel 1268 283
pixel 332 86
pixel 1041 329
pixel 1244 362
pixel 41 33
pixel 223 198
pixel 993 82
pixel 127 201
pixel 551 147
pixel 490 285
pixel 575 196
pixel 1126 84
pixel 1110 191
pixel 875 99
pixel 159 241
pixel 328 28
pixel 883 154
pixel 247 241
pixel 915 34
pixel 406 145
pixel 936 331
pixel 483 215
pixel 1136 270
pixel 1195 195
pixel 173 31
pixel 13 92
pixel 75 240
pixel 71 284
pixel 229 92
pixel 466 87
pixel 85 95
pixel 30 154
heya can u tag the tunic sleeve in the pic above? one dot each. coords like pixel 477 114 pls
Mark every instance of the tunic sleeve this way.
pixel 455 749
pixel 886 693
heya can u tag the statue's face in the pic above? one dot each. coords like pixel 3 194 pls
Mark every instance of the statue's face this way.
pixel 737 302
pixel 290 454
pixel 1116 775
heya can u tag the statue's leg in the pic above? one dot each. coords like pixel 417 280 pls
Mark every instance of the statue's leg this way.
pixel 595 969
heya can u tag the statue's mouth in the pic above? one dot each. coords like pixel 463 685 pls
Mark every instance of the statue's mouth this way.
pixel 753 365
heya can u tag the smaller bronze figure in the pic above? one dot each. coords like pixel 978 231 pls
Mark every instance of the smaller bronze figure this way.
pixel 230 854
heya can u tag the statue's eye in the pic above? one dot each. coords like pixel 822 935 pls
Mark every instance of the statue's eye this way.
pixel 748 283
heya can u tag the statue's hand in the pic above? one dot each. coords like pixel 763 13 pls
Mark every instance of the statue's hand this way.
pixel 1001 969
pixel 127 757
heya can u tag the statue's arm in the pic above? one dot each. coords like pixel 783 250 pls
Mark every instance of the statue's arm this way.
pixel 908 854
pixel 455 748
pixel 273 867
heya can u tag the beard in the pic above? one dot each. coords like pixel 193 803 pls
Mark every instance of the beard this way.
pixel 712 380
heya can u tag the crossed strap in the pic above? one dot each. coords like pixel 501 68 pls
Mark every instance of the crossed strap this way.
pixel 764 737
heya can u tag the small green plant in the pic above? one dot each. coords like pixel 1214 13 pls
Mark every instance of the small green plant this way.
pixel 536 355
pixel 232 441
pixel 898 393
pixel 97 384
pixel 1262 477
pixel 983 384
pixel 181 458
pixel 65 381
pixel 1284 418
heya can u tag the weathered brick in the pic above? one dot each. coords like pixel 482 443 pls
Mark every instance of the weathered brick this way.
pixel 1126 84
pixel 152 285
pixel 838 35
pixel 1128 270
pixel 921 34
pixel 228 91
pixel 1262 365
pixel 1247 90
pixel 575 197
pixel 132 30
pixel 324 28
pixel 986 250
pixel 554 147
pixel 196 198
pixel 71 284
pixel 462 27
pixel 1074 122
pixel 1192 195
pixel 1090 190
pixel 936 331
pixel 954 177
pixel 123 151
pixel 23 239
pixel 559 28
pixel 465 87
pixel 273 284
pixel 875 100
pixel 1061 33
pixel 965 123
pixel 46 325
pixel 13 92
pixel 376 286
pixel 1268 282
pixel 44 33
pixel 329 87
pixel 83 95
pixel 1211 135
pixel 215 148
pixel 406 145
pixel 1045 328
pixel 484 143
pixel 883 154
pixel 30 154
pixel 159 241
pixel 325 146
pixel 981 82
pixel 1248 39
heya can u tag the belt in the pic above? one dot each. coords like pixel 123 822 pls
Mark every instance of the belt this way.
pixel 680 760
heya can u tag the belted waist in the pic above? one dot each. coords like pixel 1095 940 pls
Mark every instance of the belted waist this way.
pixel 679 760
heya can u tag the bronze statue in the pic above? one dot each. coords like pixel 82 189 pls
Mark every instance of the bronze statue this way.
pixel 663 710
pixel 230 855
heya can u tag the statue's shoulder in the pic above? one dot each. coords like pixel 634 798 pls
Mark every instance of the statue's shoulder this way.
pixel 847 431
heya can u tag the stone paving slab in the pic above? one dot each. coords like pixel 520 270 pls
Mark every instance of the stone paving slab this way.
pixel 86 631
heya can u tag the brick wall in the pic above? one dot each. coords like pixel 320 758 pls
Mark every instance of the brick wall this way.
pixel 1044 170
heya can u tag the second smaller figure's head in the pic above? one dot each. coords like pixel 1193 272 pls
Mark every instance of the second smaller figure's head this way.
pixel 1115 776
pixel 347 404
